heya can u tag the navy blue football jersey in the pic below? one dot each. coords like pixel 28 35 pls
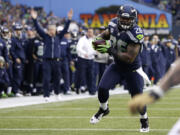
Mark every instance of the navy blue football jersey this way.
pixel 73 51
pixel 120 39
pixel 39 48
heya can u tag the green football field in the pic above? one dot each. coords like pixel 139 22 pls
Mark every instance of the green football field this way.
pixel 72 118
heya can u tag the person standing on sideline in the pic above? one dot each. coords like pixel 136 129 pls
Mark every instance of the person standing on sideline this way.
pixel 85 62
pixel 73 61
pixel 100 62
pixel 146 55
pixel 65 54
pixel 158 59
pixel 38 51
pixel 52 54
pixel 6 37
pixel 19 59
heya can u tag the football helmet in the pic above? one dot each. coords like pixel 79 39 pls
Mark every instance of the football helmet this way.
pixel 17 26
pixel 4 32
pixel 127 16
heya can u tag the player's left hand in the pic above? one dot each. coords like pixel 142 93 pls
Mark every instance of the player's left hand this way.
pixel 103 48
pixel 34 14
pixel 70 14
pixel 137 103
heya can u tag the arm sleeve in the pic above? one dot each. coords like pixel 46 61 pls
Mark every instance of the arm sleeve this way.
pixel 34 49
pixel 40 31
pixel 12 50
pixel 2 80
pixel 5 51
pixel 69 53
pixel 61 34
pixel 7 81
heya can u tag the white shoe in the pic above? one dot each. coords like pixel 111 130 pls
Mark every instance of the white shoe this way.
pixel 28 94
pixel 144 130
pixel 68 93
pixel 52 93
pixel 47 99
pixel 18 95
pixel 144 125
pixel 98 116
pixel 58 97
pixel 94 120
pixel 34 90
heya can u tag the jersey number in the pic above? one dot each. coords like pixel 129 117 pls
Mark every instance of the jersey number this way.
pixel 122 46
pixel 40 51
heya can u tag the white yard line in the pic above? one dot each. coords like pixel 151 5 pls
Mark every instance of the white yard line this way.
pixel 92 109
pixel 168 103
pixel 171 98
pixel 80 117
pixel 79 129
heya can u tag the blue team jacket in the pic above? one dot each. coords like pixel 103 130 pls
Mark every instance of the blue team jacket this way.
pixel 17 49
pixel 3 50
pixel 65 49
pixel 4 79
pixel 51 44
pixel 146 55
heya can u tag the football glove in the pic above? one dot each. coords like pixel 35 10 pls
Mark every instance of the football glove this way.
pixel 94 42
pixel 103 48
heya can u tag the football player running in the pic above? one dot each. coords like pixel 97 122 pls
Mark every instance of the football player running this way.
pixel 171 78
pixel 124 39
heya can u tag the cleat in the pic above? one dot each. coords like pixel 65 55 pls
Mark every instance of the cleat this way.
pixel 144 125
pixel 58 97
pixel 18 95
pixel 47 99
pixel 97 117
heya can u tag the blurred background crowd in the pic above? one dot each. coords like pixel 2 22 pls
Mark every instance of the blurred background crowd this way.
pixel 171 6
pixel 22 52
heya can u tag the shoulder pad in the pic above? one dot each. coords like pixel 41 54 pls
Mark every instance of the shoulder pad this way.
pixel 136 34
pixel 112 25
pixel 113 22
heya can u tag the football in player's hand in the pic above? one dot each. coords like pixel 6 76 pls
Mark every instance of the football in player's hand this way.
pixel 98 42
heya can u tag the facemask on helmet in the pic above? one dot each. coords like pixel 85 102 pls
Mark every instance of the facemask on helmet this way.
pixel 127 16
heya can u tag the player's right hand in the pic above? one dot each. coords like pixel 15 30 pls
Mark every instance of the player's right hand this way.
pixel 97 41
pixel 104 47
pixel 137 103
